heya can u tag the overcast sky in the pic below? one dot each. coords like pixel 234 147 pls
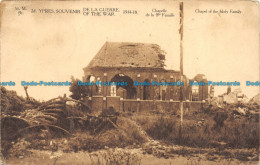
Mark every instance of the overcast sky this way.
pixel 52 47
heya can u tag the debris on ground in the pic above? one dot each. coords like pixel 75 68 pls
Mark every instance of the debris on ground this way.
pixel 255 100
pixel 55 118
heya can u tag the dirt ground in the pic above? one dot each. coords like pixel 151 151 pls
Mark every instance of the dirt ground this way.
pixel 149 152
pixel 80 158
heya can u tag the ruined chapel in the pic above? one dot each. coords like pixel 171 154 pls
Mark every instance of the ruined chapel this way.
pixel 129 62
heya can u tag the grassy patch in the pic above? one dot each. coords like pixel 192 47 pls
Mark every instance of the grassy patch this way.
pixel 213 132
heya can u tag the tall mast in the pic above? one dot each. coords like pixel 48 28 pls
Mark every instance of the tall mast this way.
pixel 181 37
pixel 181 67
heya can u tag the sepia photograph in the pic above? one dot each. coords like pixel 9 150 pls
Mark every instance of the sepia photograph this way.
pixel 144 82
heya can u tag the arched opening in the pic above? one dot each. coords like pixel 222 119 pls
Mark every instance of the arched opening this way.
pixel 91 78
pixel 195 92
pixel 126 91
pixel 99 88
pixel 163 90
pixel 147 91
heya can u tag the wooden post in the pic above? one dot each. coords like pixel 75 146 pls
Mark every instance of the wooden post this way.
pixel 181 101
pixel 181 68
pixel 181 59
pixel 181 37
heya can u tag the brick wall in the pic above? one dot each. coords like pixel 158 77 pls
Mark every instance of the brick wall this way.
pixel 97 104
pixel 113 102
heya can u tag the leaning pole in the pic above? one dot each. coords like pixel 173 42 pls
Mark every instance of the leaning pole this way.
pixel 181 65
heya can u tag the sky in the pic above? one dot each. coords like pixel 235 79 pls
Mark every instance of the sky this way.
pixel 54 47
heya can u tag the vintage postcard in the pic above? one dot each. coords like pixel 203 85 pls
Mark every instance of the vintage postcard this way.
pixel 129 82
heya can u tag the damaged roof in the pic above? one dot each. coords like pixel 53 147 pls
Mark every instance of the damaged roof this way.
pixel 126 54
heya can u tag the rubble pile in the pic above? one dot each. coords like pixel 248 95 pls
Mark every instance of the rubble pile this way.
pixel 55 118
pixel 255 99
pixel 236 103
